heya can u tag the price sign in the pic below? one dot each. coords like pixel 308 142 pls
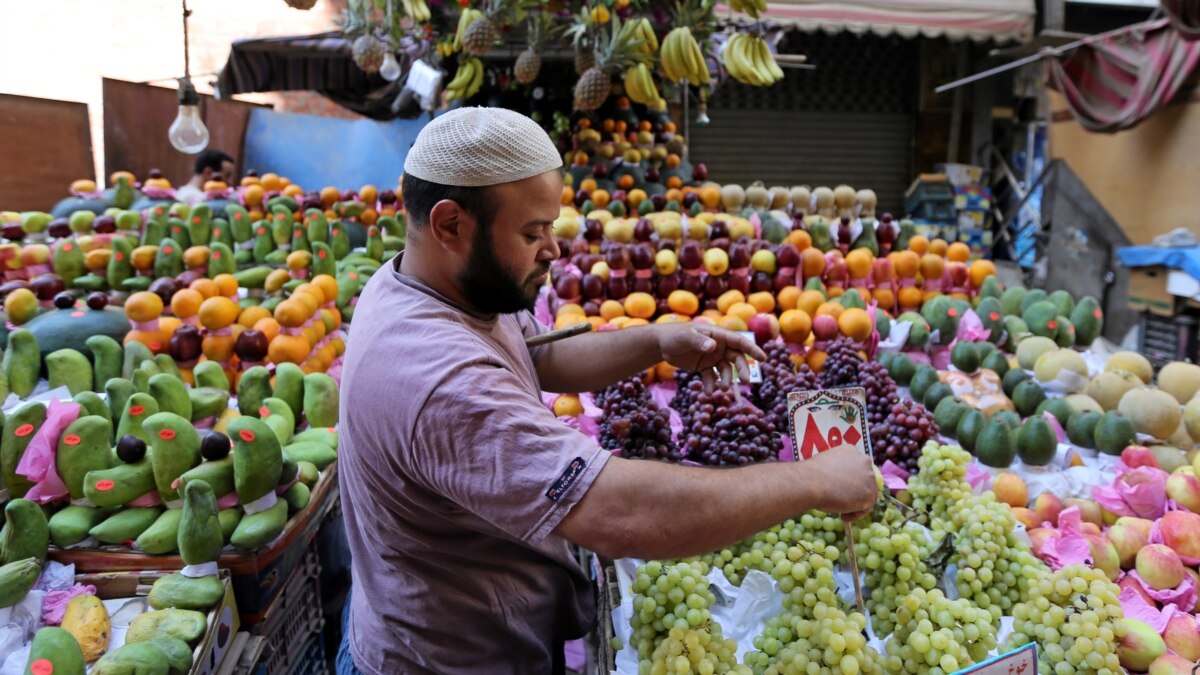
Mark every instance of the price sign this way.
pixel 751 364
pixel 826 418
pixel 1020 661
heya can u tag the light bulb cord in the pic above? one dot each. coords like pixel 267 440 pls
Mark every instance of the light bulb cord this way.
pixel 187 71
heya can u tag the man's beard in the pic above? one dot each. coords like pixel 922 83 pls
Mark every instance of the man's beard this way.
pixel 489 287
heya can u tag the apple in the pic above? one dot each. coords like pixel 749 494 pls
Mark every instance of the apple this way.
pixel 1138 455
pixel 1181 532
pixel 1089 510
pixel 1140 645
pixel 1129 535
pixel 1184 488
pixel 765 328
pixel 1160 567
pixel 1047 507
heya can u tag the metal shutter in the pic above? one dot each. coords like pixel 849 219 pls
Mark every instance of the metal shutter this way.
pixel 849 121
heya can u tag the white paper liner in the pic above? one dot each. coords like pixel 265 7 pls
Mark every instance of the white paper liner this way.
pixel 261 504
pixel 208 569
pixel 174 504
pixel 83 501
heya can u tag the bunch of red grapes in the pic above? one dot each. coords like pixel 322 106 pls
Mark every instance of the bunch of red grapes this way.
pixel 880 389
pixel 723 430
pixel 900 437
pixel 634 424
pixel 780 377
pixel 842 364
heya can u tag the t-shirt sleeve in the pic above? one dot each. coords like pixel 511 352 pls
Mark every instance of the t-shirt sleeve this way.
pixel 531 327
pixel 484 441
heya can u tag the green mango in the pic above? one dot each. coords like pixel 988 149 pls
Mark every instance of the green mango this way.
pixel 133 659
pixel 135 354
pixel 162 537
pixel 297 497
pixel 264 243
pixel 200 539
pixel 199 226
pixel 253 388
pixel 85 445
pixel 71 369
pixel 322 435
pixel 107 356
pixel 177 231
pixel 260 529
pixel 278 417
pixel 1088 319
pixel 26 532
pixel 117 392
pixel 58 648
pixel 168 261
pixel 229 519
pixel 72 524
pixel 222 234
pixel 22 362
pixel 184 624
pixel 319 454
pixel 217 474
pixel 172 395
pixel 339 240
pixel 221 260
pixel 138 407
pixel 208 402
pixel 67 260
pixel 20 427
pixel 374 243
pixel 167 365
pixel 178 653
pixel 289 387
pixel 239 223
pixel 257 459
pixel 174 448
pixel 323 261
pixel 320 400
pixel 125 525
pixel 120 484
pixel 120 265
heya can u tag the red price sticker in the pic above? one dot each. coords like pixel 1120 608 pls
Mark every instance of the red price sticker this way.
pixel 168 250
pixel 76 314
pixel 71 439
pixel 105 485
pixel 24 430
pixel 246 435
pixel 137 410
pixel 264 411
pixel 42 667
pixel 196 220
pixel 167 434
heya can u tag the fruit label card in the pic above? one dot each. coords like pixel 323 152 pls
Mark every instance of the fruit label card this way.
pixel 826 418
pixel 1020 661
pixel 751 364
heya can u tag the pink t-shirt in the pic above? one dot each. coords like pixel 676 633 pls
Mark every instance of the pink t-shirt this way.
pixel 453 477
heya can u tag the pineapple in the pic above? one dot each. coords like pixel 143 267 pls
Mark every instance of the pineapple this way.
pixel 528 64
pixel 619 51
pixel 585 60
pixel 368 52
pixel 481 34
pixel 542 30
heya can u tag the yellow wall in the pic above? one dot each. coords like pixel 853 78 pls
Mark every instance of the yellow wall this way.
pixel 1148 177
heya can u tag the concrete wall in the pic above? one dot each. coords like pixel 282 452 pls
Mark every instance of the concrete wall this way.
pixel 1145 177
pixel 60 49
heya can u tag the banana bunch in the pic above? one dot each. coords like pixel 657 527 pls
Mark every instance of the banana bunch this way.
pixel 639 85
pixel 643 31
pixel 465 19
pixel 467 80
pixel 417 9
pixel 682 59
pixel 749 61
pixel 751 7
pixel 445 47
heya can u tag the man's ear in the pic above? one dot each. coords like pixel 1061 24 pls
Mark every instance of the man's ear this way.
pixel 451 226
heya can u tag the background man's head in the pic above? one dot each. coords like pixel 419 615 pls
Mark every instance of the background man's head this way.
pixel 215 165
pixel 482 188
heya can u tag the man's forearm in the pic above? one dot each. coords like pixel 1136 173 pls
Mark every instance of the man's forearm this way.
pixel 595 360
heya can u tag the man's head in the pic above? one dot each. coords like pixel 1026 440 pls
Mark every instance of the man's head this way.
pixel 215 165
pixel 482 189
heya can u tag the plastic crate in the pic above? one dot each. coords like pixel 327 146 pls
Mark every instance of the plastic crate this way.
pixel 312 658
pixel 295 619
pixel 1168 339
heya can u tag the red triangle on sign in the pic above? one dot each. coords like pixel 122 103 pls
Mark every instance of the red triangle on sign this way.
pixel 813 442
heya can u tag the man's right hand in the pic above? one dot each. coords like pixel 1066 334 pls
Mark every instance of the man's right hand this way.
pixel 845 478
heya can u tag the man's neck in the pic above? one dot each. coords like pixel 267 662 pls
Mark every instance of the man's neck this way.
pixel 196 182
pixel 432 275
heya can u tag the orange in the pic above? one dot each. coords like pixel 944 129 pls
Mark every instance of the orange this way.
pixel 713 314
pixel 288 349
pixel 368 195
pixel 674 194
pixel 284 182
pixel 664 371
pixel 710 197
pixel 859 262
pixel 933 266
pixel 919 244
pixel 788 298
pixel 812 262
pixel 800 239
pixel 729 299
pixel 218 312
pixel 625 182
pixel 816 360
pixel 293 191
pixel 143 306
pixel 568 196
pixel 601 198
pixel 310 301
pixel 569 308
pixel 247 181
pixel 856 324
pixel 206 287
pixel 585 123
pixel 619 322
pixel 267 326
pixel 674 182
pixel 564 320
pixel 810 301
pixel 763 301
pixel 958 252
pixel 291 313
pixel 567 405
pixel 733 323
pixel 635 197
pixel 909 298
pixel 979 271
pixel 186 302
pixel 328 285
pixel 672 317
pixel 884 298
pixel 611 309
pixel 588 184
pixel 596 322
pixel 938 247
pixel 636 322
pixel 906 263
pixel 298 260
pixel 640 305
pixel 683 302
pixel 608 125
pixel 330 195
pixel 227 283
pixel 581 159
pixel 368 216
pixel 795 326
pixel 830 308
pixel 742 310
pixel 248 317
pixel 256 215
pixel 252 195
pixel 196 256
pixel 673 161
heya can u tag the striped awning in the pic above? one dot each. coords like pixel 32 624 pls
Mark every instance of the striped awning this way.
pixel 1115 80
pixel 978 20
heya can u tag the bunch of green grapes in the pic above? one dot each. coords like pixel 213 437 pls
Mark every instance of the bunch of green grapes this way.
pixel 935 635
pixel 940 483
pixel 684 652
pixel 1075 617
pixel 893 562
pixel 765 549
pixel 666 596
pixel 994 568
pixel 813 633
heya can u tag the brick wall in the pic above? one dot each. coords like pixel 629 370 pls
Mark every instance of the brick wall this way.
pixel 60 49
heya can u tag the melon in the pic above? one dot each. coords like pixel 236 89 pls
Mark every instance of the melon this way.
pixel 1108 388
pixel 1152 411
pixel 1032 348
pixel 1191 417
pixel 1181 380
pixel 1181 438
pixel 1050 364
pixel 1084 403
pixel 1131 362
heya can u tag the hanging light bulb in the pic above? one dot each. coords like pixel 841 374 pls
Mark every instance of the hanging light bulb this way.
pixel 188 133
pixel 390 70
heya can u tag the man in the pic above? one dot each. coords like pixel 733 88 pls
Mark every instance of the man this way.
pixel 460 489
pixel 210 165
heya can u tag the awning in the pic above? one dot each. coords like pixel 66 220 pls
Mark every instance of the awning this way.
pixel 320 63
pixel 979 20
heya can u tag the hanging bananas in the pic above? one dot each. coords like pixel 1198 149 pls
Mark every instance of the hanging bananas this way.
pixel 417 9
pixel 639 85
pixel 465 19
pixel 681 57
pixel 645 32
pixel 467 80
pixel 751 7
pixel 749 61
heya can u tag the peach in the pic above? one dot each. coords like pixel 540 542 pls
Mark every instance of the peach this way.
pixel 1132 584
pixel 1047 507
pixel 825 327
pixel 1129 535
pixel 1138 455
pixel 1184 488
pixel 1104 556
pixel 1089 510
pixel 1181 532
pixel 1026 517
pixel 1038 537
pixel 1140 645
pixel 1183 637
pixel 1159 567
pixel 1171 664
pixel 1011 490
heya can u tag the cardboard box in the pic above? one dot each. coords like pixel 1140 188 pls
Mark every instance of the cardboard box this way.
pixel 1148 291
pixel 973 197
pixel 223 620
pixel 962 174
pixel 257 576
pixel 974 220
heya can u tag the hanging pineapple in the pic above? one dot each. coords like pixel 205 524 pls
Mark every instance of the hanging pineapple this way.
pixel 583 37
pixel 618 52
pixel 357 24
pixel 480 35
pixel 542 31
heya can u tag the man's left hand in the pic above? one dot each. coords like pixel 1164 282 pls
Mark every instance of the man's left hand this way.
pixel 703 347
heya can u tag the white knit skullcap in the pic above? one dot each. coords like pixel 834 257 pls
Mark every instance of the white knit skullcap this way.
pixel 474 147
